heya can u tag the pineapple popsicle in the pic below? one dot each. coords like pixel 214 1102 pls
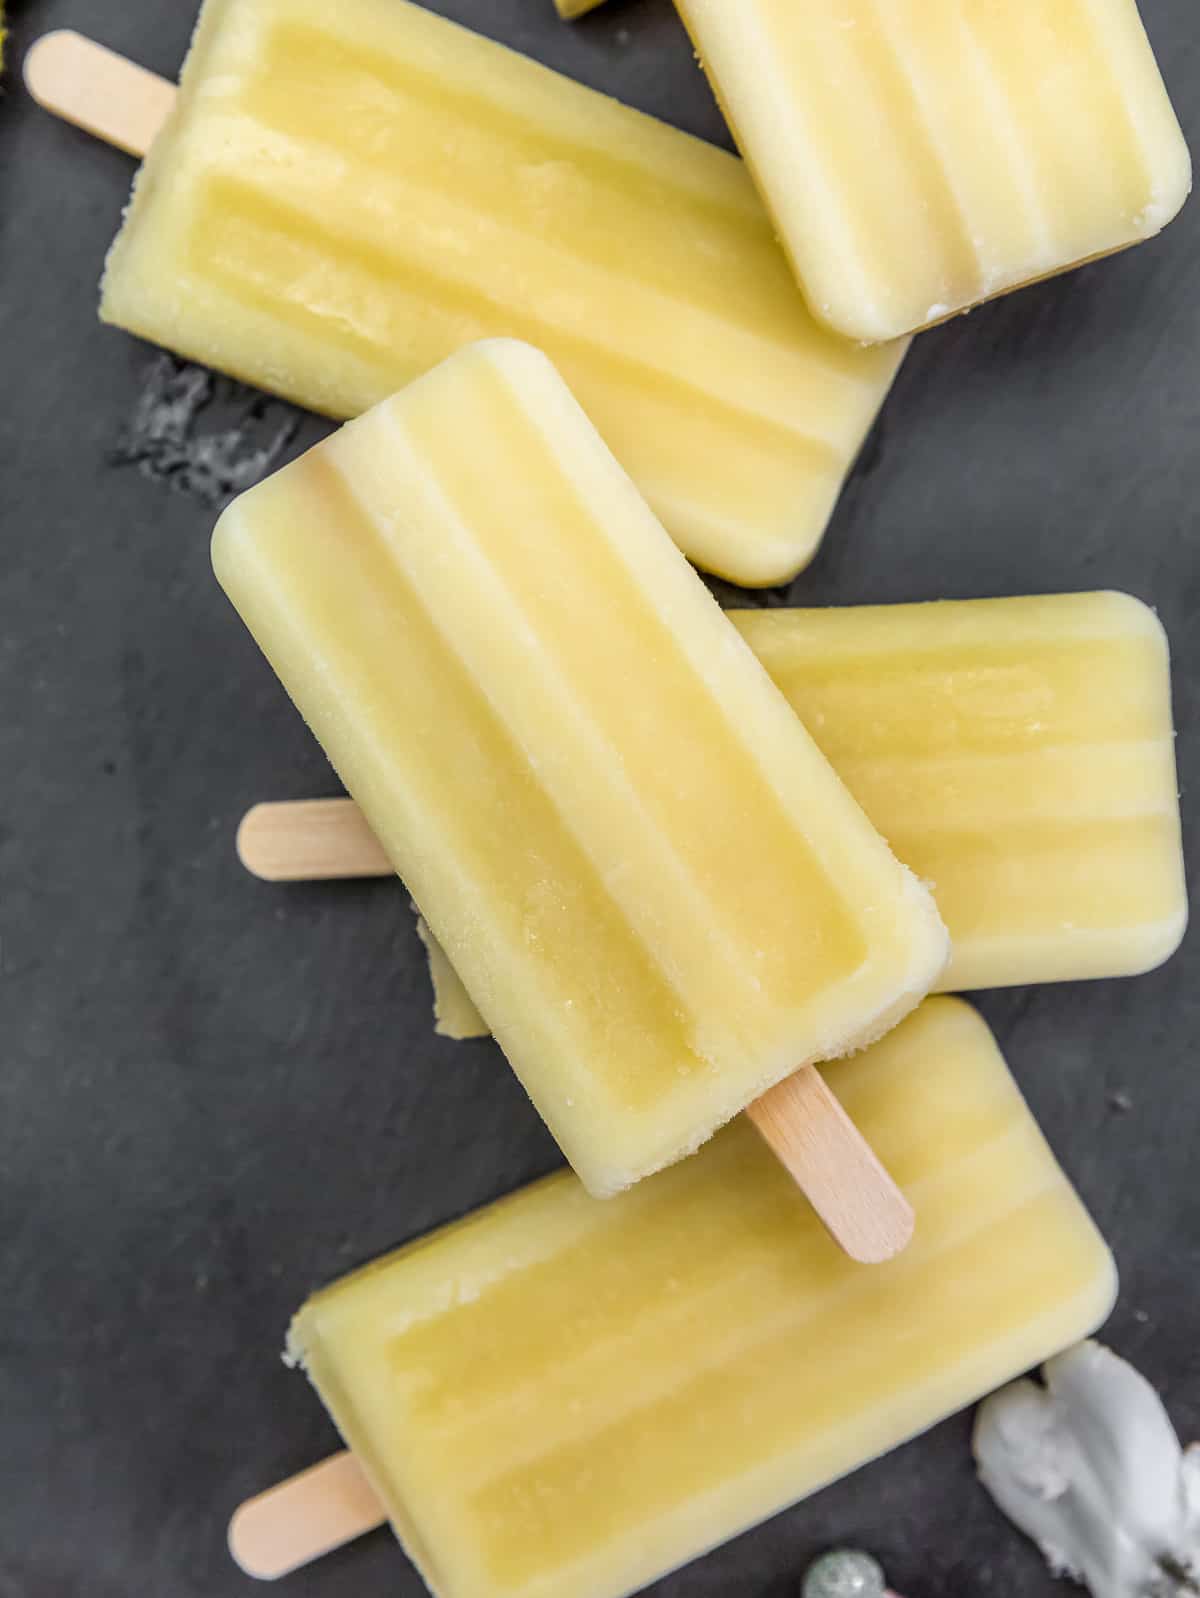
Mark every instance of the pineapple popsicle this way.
pixel 1018 754
pixel 656 889
pixel 921 156
pixel 344 196
pixel 559 1396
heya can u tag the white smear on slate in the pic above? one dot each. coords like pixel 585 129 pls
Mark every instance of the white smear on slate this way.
pixel 1090 1468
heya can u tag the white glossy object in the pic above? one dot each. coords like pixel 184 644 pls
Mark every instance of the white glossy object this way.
pixel 1090 1468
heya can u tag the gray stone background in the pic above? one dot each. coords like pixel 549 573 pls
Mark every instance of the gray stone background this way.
pixel 215 1095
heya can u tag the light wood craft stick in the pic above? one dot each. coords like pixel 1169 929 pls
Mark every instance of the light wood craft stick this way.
pixel 304 1518
pixel 861 1207
pixel 310 840
pixel 836 1169
pixel 307 840
pixel 97 90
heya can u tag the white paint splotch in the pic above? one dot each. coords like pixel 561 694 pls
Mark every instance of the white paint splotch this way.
pixel 1090 1468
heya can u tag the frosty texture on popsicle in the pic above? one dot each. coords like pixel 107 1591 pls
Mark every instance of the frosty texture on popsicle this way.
pixel 921 156
pixel 559 1396
pixel 344 196
pixel 656 889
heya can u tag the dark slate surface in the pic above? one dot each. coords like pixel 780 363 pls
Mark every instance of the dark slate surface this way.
pixel 216 1095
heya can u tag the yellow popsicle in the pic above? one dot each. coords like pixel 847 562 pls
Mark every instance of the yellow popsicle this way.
pixel 568 10
pixel 345 195
pixel 655 887
pixel 920 156
pixel 1017 754
pixel 558 1396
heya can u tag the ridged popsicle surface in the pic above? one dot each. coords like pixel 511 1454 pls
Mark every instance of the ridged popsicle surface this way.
pixel 920 156
pixel 345 195
pixel 657 890
pixel 1019 756
pixel 557 1395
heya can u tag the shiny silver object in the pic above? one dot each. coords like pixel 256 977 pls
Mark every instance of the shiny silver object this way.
pixel 845 1573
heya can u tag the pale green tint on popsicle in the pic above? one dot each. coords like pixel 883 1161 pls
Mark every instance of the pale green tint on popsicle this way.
pixel 346 194
pixel 654 885
pixel 557 1396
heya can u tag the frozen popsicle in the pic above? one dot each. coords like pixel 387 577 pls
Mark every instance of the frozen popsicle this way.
pixel 568 10
pixel 1018 754
pixel 656 889
pixel 922 156
pixel 560 1396
pixel 343 196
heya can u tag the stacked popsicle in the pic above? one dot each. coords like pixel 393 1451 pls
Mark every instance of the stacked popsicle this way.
pixel 560 1396
pixel 653 883
pixel 632 850
pixel 922 156
pixel 589 782
pixel 1018 754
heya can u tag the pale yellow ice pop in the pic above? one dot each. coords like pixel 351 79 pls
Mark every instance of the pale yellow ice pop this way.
pixel 345 195
pixel 557 1396
pixel 1018 754
pixel 568 10
pixel 657 891
pixel 920 156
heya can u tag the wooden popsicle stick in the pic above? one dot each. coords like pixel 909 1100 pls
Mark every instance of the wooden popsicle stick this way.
pixel 835 1167
pixel 304 1518
pixel 310 840
pixel 859 1204
pixel 97 90
pixel 306 840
